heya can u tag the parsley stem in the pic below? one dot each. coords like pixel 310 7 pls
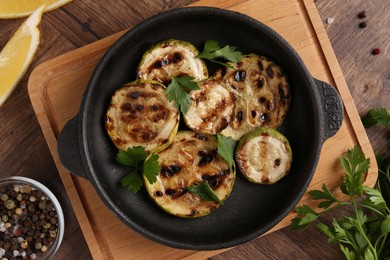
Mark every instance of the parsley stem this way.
pixel 382 244
pixel 373 209
pixel 360 229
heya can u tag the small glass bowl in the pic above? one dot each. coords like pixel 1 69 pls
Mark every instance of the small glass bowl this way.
pixel 22 181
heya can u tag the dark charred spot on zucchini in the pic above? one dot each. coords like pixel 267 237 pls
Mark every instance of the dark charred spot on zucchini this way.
pixel 270 72
pixel 253 113
pixel 126 107
pixel 260 83
pixel 239 75
pixel 277 162
pixel 262 99
pixel 282 91
pixel 175 193
pixel 158 193
pixel 177 57
pixel 240 116
pixel 201 137
pixel 216 180
pixel 260 65
pixel 234 87
pixel 206 158
pixel 193 213
pixel 170 170
pixel 139 107
pixel 171 58
pixel 223 124
pixel 160 116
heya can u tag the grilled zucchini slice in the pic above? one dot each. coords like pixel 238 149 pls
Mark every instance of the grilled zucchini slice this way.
pixel 191 158
pixel 171 58
pixel 140 114
pixel 264 156
pixel 211 107
pixel 263 95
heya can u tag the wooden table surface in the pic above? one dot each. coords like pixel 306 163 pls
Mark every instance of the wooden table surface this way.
pixel 23 149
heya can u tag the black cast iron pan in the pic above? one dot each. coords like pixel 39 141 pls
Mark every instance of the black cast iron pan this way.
pixel 315 114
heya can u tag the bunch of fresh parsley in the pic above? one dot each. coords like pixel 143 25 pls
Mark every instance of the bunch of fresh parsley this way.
pixel 366 234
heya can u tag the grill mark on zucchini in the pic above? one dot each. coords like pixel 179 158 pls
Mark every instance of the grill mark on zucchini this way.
pixel 216 180
pixel 171 170
pixel 169 59
pixel 206 158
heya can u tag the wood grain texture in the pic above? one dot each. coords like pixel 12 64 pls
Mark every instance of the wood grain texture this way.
pixel 23 150
pixel 55 96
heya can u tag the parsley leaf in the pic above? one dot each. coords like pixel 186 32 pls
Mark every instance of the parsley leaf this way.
pixel 325 195
pixel 212 51
pixel 137 158
pixel 308 216
pixel 132 181
pixel 204 191
pixel 356 165
pixel 376 116
pixel 132 157
pixel 226 146
pixel 151 168
pixel 177 90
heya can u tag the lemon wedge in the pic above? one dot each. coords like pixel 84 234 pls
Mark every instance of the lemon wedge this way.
pixel 22 8
pixel 18 54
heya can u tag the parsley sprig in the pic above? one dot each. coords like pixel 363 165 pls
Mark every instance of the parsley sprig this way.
pixel 226 147
pixel 204 191
pixel 364 235
pixel 178 90
pixel 212 51
pixel 137 158
pixel 377 116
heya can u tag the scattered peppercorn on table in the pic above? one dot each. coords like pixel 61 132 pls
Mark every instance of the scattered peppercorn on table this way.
pixel 55 96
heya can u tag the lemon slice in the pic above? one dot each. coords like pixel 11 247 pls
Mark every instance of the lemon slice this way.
pixel 22 8
pixel 18 54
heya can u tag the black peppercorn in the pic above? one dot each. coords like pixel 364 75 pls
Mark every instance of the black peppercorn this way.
pixel 363 24
pixel 362 14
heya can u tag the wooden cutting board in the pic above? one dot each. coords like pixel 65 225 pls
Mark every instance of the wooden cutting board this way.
pixel 56 86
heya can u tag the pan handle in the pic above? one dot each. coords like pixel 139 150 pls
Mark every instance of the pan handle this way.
pixel 332 106
pixel 68 148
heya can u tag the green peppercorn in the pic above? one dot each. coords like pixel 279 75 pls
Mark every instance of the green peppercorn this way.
pixel 19 197
pixel 53 233
pixel 16 188
pixel 38 245
pixel 26 189
pixel 32 198
pixel 9 204
pixel 4 197
pixel 42 204
pixel 44 248
pixel 4 218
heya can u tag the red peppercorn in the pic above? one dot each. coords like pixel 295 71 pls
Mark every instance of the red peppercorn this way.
pixel 376 51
